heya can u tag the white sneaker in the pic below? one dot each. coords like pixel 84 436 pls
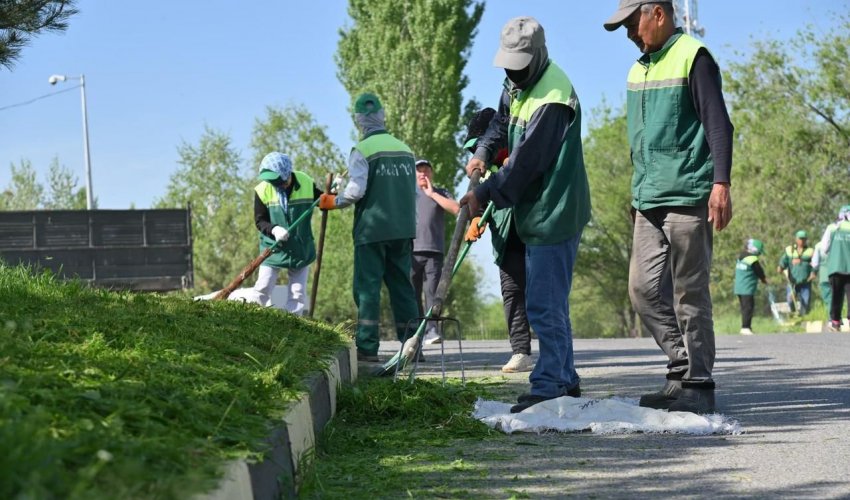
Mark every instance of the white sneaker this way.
pixel 746 331
pixel 432 337
pixel 519 363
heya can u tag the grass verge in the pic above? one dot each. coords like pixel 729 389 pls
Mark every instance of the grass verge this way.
pixel 394 440
pixel 122 395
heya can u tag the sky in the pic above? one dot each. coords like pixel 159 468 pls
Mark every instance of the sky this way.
pixel 159 72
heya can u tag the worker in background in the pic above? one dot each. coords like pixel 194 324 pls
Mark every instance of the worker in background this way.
pixel 279 199
pixel 796 265
pixel 748 273
pixel 836 245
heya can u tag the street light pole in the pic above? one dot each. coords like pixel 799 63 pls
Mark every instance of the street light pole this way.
pixel 82 78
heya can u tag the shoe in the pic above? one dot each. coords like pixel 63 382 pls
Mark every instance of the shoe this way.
pixel 746 331
pixel 696 397
pixel 662 399
pixel 368 358
pixel 519 363
pixel 835 326
pixel 432 337
pixel 525 401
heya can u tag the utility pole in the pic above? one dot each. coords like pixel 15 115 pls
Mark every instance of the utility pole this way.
pixel 686 17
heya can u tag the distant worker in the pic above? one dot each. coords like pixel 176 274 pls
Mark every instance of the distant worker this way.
pixel 281 197
pixel 509 251
pixel 432 203
pixel 382 188
pixel 539 121
pixel 680 139
pixel 748 273
pixel 836 245
pixel 819 267
pixel 796 266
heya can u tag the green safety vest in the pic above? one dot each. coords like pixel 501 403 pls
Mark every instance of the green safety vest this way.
pixel 838 260
pixel 387 211
pixel 299 250
pixel 555 206
pixel 671 158
pixel 801 270
pixel 746 281
pixel 500 228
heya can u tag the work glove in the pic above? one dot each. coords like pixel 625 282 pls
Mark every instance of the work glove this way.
pixel 474 232
pixel 280 234
pixel 327 201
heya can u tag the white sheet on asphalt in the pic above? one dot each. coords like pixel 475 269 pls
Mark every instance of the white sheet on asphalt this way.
pixel 601 416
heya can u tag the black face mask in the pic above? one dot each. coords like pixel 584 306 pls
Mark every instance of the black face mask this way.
pixel 519 76
pixel 278 183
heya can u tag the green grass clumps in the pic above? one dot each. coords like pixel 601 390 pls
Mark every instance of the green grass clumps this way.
pixel 393 440
pixel 123 395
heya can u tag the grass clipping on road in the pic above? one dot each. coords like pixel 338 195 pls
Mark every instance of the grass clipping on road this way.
pixel 397 440
pixel 120 395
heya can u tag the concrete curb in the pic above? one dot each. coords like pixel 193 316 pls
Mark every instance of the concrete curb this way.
pixel 290 444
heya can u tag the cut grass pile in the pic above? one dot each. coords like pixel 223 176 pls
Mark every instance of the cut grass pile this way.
pixel 399 440
pixel 123 395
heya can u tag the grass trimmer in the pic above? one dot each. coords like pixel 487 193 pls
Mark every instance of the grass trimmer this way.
pixel 454 258
pixel 254 264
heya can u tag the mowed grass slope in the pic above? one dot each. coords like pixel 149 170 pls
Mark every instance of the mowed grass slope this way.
pixel 123 395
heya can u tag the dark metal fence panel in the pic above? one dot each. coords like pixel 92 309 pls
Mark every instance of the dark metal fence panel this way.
pixel 121 249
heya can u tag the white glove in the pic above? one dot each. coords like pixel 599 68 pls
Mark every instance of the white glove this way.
pixel 280 234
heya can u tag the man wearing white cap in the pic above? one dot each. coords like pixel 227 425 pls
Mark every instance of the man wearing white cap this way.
pixel 281 197
pixel 539 120
pixel 681 149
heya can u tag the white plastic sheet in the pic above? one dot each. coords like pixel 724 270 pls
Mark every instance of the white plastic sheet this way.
pixel 601 416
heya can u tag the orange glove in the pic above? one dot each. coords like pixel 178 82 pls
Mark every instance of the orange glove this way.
pixel 474 232
pixel 327 201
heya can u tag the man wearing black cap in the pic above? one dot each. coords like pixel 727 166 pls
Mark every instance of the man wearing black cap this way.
pixel 539 119
pixel 681 148
pixel 432 203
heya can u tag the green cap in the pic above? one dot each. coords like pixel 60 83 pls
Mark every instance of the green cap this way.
pixel 755 246
pixel 801 234
pixel 367 104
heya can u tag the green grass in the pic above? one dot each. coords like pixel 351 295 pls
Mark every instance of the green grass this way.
pixel 393 440
pixel 122 395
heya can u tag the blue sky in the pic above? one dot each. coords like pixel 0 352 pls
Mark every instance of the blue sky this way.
pixel 158 72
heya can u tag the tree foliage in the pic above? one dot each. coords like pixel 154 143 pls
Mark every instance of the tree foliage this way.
pixel 412 55
pixel 21 20
pixel 211 178
pixel 25 192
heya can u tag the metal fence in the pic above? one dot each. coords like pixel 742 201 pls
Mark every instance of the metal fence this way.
pixel 120 249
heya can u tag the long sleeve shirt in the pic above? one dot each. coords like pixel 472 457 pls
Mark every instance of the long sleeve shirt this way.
pixel 706 93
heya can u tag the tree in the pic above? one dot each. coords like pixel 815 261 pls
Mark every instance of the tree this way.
pixel 63 193
pixel 412 55
pixel 24 192
pixel 600 299
pixel 21 20
pixel 211 179
pixel 791 109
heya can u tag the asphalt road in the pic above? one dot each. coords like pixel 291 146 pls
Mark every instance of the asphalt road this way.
pixel 790 392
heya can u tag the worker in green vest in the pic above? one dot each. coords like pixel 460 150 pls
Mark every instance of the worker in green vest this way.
pixel 281 197
pixel 748 273
pixel 796 265
pixel 509 253
pixel 820 269
pixel 836 245
pixel 539 120
pixel 382 188
pixel 680 139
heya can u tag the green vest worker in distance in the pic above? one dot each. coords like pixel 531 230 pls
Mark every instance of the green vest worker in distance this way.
pixel 796 264
pixel 748 273
pixel 680 139
pixel 382 188
pixel 281 197
pixel 835 244
pixel 539 119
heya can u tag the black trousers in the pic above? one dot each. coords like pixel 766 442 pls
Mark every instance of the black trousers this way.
pixel 840 284
pixel 512 279
pixel 425 271
pixel 748 303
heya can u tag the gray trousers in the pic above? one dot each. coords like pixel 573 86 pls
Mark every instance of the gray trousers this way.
pixel 425 274
pixel 669 286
